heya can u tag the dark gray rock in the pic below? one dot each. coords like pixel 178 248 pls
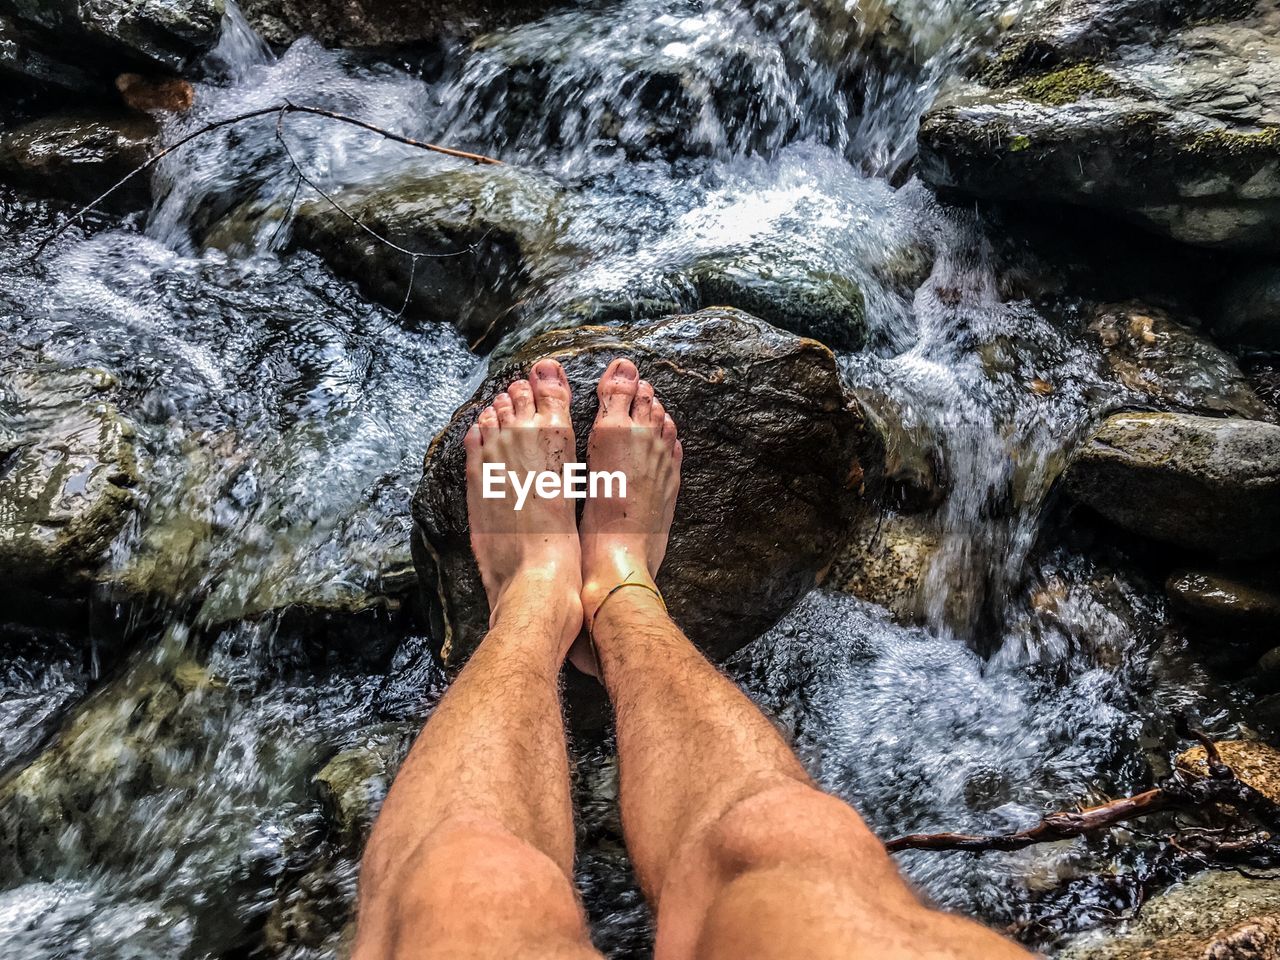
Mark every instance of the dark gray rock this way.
pixel 81 47
pixel 1201 483
pixel 79 156
pixel 382 23
pixel 1248 312
pixel 773 468
pixel 1181 135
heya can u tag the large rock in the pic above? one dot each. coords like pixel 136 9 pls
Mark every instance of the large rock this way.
pixel 82 47
pixel 1213 916
pixel 382 23
pixel 1170 365
pixel 1181 135
pixel 770 483
pixel 67 475
pixel 1196 482
pixel 487 233
pixel 79 156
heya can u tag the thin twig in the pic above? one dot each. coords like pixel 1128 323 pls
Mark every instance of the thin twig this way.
pixel 285 107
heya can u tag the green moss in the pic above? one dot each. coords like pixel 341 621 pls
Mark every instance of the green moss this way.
pixel 1019 143
pixel 1233 143
pixel 1069 85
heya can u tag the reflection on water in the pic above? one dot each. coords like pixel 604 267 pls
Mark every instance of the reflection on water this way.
pixel 281 419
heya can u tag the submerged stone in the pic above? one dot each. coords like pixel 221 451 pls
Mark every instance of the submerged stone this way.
pixel 67 475
pixel 1200 483
pixel 1252 762
pixel 79 156
pixel 771 477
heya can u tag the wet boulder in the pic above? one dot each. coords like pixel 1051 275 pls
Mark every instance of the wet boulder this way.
pixel 487 235
pixel 773 466
pixel 768 278
pixel 1200 483
pixel 79 156
pixel 82 47
pixel 1236 601
pixel 1171 366
pixel 1179 132
pixel 68 472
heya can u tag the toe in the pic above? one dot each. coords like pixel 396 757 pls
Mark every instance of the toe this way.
pixel 677 452
pixel 550 386
pixel 642 406
pixel 657 415
pixel 669 432
pixel 521 399
pixel 505 409
pixel 618 388
pixel 488 425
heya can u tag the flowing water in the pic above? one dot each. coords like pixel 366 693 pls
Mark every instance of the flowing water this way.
pixel 281 419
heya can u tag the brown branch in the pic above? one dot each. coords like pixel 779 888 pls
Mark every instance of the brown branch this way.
pixel 283 108
pixel 1056 826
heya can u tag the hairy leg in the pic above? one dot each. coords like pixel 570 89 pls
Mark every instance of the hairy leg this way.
pixel 472 854
pixel 738 852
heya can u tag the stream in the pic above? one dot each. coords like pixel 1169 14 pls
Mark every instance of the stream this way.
pixel 281 419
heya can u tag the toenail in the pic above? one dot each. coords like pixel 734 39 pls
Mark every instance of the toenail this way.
pixel 627 372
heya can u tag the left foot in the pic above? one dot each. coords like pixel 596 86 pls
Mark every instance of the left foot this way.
pixel 532 553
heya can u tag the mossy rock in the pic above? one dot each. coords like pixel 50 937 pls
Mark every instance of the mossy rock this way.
pixel 1177 130
pixel 774 455
pixel 487 234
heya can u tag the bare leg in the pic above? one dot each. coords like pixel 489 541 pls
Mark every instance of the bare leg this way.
pixel 472 854
pixel 740 855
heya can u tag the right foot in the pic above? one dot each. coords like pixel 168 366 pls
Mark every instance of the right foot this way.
pixel 625 538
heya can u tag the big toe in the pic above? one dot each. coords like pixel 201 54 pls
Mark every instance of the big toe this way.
pixel 617 388
pixel 550 386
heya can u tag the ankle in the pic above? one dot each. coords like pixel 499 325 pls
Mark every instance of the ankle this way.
pixel 541 599
pixel 614 590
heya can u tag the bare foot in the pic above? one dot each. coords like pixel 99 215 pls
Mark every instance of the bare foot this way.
pixel 625 538
pixel 534 550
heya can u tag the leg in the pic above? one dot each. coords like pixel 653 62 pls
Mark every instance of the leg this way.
pixel 472 854
pixel 736 849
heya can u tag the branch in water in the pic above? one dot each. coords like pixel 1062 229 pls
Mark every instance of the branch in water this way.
pixel 1056 826
pixel 1184 790
pixel 283 108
